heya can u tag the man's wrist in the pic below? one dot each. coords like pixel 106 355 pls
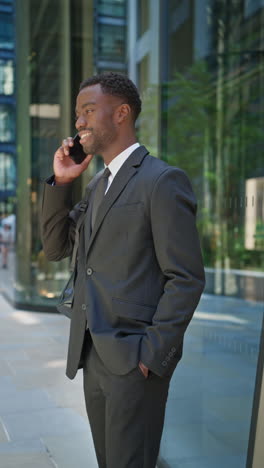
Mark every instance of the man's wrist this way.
pixel 60 182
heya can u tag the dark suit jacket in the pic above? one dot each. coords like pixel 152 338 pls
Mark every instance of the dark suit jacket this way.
pixel 139 273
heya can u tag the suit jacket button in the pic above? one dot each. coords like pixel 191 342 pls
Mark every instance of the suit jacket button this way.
pixel 83 307
pixel 89 271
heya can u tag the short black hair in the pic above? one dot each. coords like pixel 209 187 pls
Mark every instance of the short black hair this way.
pixel 118 85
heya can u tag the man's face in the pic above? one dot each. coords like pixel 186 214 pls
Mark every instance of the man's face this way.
pixel 95 119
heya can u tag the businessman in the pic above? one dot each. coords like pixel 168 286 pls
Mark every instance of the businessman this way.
pixel 139 271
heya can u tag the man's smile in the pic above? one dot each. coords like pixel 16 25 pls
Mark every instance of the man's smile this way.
pixel 84 135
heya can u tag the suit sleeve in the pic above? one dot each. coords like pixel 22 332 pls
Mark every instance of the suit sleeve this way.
pixel 57 221
pixel 176 242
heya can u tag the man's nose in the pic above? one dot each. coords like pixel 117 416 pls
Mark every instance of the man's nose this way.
pixel 80 122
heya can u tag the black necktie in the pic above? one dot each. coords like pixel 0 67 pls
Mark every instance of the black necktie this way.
pixel 99 194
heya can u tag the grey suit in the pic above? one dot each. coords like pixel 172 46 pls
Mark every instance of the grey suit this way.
pixel 140 272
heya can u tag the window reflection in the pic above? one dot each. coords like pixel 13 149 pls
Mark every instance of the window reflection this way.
pixel 254 217
pixel 111 44
pixel 7 173
pixel 6 77
pixel 111 7
pixel 211 97
pixel 7 123
pixel 6 31
pixel 214 130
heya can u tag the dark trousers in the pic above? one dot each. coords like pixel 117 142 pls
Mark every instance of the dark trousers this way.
pixel 126 414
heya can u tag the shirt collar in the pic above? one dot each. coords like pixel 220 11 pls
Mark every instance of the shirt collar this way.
pixel 119 160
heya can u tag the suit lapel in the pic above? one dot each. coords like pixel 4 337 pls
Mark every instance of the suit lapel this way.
pixel 127 171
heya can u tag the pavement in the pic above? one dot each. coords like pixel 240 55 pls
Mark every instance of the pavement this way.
pixel 43 420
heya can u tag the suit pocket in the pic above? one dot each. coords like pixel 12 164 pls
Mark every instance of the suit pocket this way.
pixel 133 310
pixel 124 208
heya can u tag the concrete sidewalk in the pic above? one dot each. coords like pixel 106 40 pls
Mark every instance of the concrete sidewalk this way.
pixel 43 420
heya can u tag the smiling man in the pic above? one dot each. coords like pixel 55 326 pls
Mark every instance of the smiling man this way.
pixel 138 276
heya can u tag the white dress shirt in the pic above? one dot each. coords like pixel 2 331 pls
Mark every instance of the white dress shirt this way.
pixel 118 162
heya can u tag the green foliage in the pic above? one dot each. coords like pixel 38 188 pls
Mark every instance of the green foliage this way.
pixel 212 127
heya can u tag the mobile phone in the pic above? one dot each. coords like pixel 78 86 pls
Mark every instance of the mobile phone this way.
pixel 76 151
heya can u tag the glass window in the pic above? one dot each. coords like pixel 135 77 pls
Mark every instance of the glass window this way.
pixel 7 123
pixel 251 6
pixel 111 42
pixel 7 173
pixel 6 31
pixel 212 127
pixel 51 56
pixel 6 77
pixel 112 8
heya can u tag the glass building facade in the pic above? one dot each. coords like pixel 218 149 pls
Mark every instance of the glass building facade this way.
pixel 8 160
pixel 49 55
pixel 199 67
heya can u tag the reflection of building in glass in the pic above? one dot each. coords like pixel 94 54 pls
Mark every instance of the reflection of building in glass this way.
pixel 254 216
pixel 6 77
pixel 110 35
pixel 7 25
pixel 54 53
pixel 201 77
pixel 199 67
pixel 7 109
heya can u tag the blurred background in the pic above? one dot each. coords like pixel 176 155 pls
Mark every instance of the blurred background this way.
pixel 199 66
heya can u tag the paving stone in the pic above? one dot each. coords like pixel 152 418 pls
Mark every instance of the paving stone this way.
pixel 25 401
pixel 23 446
pixel 26 460
pixel 5 368
pixel 81 410
pixel 74 450
pixel 67 396
pixel 48 377
pixel 7 386
pixel 51 421
pixel 12 351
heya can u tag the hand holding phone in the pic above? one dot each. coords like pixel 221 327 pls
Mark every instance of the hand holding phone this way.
pixel 76 151
pixel 68 167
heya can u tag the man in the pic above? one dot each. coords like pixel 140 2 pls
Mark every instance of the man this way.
pixel 139 273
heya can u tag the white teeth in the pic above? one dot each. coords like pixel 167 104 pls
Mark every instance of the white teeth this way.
pixel 85 135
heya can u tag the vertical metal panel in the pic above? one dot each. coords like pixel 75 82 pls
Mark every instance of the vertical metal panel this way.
pixel 255 457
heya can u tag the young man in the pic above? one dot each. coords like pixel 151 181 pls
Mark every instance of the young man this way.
pixel 139 273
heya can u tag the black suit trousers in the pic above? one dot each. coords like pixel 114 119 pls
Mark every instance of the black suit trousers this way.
pixel 126 414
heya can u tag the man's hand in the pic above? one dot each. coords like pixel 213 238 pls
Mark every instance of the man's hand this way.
pixel 143 369
pixel 65 169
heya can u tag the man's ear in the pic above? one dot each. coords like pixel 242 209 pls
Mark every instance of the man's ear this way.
pixel 123 112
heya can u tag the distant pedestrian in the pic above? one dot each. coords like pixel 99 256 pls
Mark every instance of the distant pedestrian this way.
pixel 6 240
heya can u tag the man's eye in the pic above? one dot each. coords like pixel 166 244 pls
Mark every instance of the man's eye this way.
pixel 87 111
